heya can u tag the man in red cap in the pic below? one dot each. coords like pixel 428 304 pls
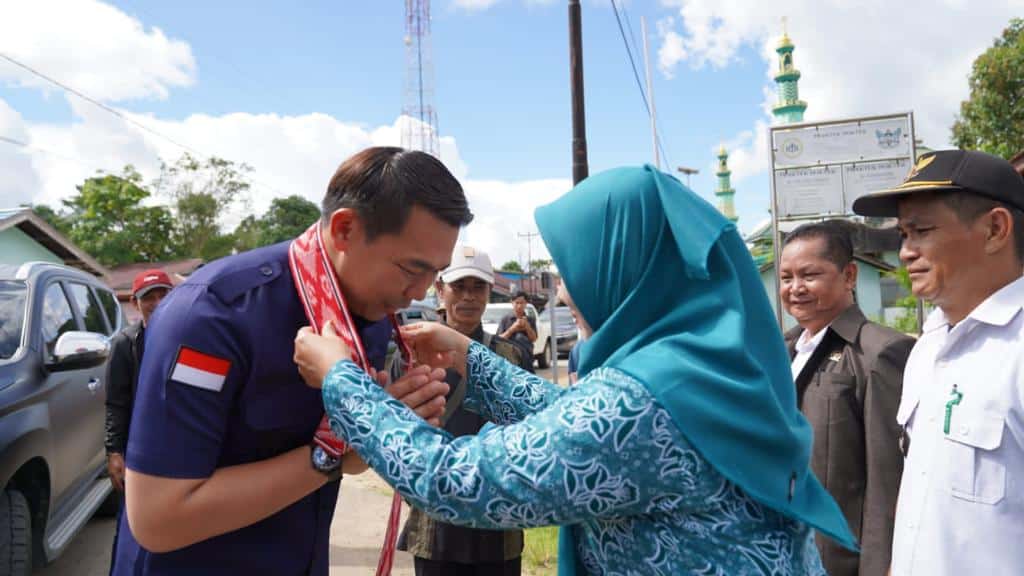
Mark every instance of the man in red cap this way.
pixel 126 347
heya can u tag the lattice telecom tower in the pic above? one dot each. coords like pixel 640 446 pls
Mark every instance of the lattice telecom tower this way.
pixel 419 130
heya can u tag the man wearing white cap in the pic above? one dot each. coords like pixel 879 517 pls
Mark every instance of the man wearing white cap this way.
pixel 463 290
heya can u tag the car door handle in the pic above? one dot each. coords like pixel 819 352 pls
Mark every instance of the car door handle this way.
pixel 94 385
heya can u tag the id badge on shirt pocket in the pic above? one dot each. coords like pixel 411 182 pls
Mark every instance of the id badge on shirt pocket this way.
pixel 977 474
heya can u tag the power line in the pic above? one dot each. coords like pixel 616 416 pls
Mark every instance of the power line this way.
pixel 115 112
pixel 632 61
pixel 636 73
pixel 27 146
pixel 99 104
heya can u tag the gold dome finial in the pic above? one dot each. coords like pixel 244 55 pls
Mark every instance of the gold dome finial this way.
pixel 785 41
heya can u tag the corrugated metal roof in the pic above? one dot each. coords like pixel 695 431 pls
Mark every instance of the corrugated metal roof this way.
pixel 6 213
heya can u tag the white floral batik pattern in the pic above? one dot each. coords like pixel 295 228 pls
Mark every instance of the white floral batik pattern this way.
pixel 602 456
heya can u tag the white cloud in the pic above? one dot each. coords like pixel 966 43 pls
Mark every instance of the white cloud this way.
pixel 93 47
pixel 289 154
pixel 748 152
pixel 856 58
pixel 503 210
pixel 672 50
pixel 474 4
pixel 19 177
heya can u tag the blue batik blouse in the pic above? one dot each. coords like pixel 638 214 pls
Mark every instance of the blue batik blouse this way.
pixel 603 456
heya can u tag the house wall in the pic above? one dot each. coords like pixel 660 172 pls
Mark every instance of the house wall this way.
pixel 16 248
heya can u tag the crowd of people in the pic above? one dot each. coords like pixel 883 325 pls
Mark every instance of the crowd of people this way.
pixel 697 437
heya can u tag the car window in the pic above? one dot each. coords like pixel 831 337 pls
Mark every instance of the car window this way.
pixel 91 311
pixel 112 308
pixel 57 316
pixel 12 316
pixel 564 320
pixel 494 315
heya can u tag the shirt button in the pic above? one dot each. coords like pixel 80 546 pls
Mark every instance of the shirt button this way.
pixel 266 270
pixel 964 430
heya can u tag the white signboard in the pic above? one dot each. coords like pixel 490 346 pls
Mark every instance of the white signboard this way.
pixel 860 179
pixel 819 169
pixel 841 142
pixel 808 191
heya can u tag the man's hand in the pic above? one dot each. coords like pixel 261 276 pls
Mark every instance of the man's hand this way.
pixel 423 389
pixel 115 469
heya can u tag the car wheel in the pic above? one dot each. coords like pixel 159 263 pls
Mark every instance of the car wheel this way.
pixel 15 534
pixel 544 360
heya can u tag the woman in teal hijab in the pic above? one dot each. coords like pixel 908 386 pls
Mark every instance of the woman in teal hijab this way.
pixel 680 451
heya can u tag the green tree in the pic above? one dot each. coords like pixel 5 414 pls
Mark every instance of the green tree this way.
pixel 107 220
pixel 247 234
pixel 287 218
pixel 511 266
pixel 201 192
pixel 540 265
pixel 906 322
pixel 992 119
pixel 56 219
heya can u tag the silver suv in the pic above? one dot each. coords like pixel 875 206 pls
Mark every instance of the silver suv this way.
pixel 55 327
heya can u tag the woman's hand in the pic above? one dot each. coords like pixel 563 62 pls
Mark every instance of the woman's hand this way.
pixel 422 389
pixel 437 345
pixel 315 354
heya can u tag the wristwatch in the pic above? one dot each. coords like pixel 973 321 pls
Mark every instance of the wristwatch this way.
pixel 324 463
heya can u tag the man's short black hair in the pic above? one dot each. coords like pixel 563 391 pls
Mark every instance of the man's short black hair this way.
pixel 520 294
pixel 835 234
pixel 968 207
pixel 382 185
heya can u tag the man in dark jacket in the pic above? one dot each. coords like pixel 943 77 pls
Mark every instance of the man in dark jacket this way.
pixel 443 549
pixel 849 376
pixel 126 347
pixel 148 289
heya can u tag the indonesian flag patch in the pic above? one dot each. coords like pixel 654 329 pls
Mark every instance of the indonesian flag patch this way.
pixel 200 370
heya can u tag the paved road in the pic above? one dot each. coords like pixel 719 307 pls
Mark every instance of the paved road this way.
pixel 356 534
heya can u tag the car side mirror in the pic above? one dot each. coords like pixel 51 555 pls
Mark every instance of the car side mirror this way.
pixel 78 350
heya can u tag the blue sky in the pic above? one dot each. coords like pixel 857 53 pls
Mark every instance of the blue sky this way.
pixel 294 88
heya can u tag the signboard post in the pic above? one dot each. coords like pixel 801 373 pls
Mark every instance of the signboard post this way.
pixel 820 168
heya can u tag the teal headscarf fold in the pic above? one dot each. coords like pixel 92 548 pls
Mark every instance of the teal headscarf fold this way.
pixel 675 301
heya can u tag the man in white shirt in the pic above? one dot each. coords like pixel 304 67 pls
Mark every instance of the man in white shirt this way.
pixel 848 373
pixel 961 502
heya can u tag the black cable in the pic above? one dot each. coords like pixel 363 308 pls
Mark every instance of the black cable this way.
pixel 636 76
pixel 115 112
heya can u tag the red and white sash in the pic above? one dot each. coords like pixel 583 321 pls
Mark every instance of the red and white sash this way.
pixel 317 285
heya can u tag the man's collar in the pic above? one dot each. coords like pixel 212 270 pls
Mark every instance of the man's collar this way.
pixel 997 310
pixel 1000 308
pixel 847 324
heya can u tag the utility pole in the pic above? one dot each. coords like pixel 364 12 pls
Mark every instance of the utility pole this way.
pixel 529 255
pixel 579 128
pixel 650 96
